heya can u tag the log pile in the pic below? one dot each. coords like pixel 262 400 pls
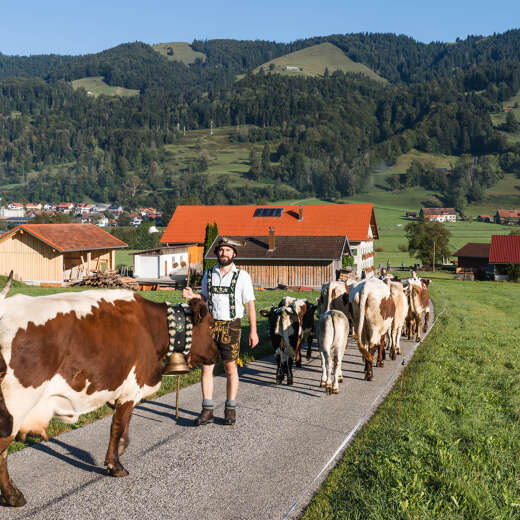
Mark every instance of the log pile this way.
pixel 108 278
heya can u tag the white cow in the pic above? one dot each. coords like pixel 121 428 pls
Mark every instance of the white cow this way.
pixel 332 339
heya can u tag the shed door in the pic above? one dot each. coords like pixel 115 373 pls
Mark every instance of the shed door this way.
pixel 148 267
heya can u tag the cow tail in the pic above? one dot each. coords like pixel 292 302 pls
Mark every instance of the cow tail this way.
pixel 362 348
pixel 5 290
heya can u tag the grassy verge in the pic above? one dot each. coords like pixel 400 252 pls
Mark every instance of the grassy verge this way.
pixel 456 451
pixel 169 384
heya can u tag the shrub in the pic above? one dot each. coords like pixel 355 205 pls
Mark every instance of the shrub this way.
pixel 379 249
pixel 403 247
pixel 347 261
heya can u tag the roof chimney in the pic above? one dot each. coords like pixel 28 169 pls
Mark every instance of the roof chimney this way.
pixel 271 239
pixel 300 213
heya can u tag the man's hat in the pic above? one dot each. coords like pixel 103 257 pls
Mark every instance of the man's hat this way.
pixel 224 241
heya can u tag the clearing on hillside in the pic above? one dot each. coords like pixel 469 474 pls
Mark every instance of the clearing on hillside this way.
pixel 179 51
pixel 313 61
pixel 96 86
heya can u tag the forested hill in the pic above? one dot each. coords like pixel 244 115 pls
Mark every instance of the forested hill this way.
pixel 319 135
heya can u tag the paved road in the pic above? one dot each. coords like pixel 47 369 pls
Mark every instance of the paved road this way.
pixel 267 466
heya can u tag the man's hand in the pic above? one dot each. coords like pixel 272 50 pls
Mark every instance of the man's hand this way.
pixel 253 339
pixel 188 293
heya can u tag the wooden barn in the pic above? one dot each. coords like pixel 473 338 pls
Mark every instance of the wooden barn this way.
pixel 312 223
pixel 292 261
pixel 54 253
pixel 473 258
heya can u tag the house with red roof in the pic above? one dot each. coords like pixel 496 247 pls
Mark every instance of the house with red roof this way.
pixel 504 250
pixel 508 216
pixel 54 253
pixel 438 214
pixel 288 224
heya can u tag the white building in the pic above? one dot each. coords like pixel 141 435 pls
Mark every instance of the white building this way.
pixel 162 262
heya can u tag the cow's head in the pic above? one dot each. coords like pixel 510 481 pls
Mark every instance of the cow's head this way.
pixel 271 314
pixel 203 348
pixel 425 282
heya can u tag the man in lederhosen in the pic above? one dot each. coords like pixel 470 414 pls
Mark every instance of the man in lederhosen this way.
pixel 228 292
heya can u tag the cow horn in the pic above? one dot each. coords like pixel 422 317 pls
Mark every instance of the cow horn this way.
pixel 5 290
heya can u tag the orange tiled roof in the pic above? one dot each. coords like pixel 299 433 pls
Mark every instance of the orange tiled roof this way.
pixel 188 223
pixel 70 237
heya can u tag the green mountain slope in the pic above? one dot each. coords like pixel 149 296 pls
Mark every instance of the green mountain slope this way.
pixel 179 51
pixel 312 61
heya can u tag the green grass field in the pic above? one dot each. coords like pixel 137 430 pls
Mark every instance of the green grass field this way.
pixel 312 61
pixel 447 447
pixel 97 87
pixel 182 51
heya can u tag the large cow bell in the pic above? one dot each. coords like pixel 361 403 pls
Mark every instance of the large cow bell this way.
pixel 175 365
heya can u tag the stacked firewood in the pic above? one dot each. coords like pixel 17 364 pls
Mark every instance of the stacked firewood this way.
pixel 108 278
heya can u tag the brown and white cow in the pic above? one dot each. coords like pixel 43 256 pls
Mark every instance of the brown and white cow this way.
pixel 69 353
pixel 289 326
pixel 376 314
pixel 419 304
pixel 332 340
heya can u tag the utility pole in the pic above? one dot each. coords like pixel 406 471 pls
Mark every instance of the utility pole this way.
pixel 434 256
pixel 211 127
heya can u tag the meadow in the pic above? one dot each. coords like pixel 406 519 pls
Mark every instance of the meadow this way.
pixel 312 61
pixel 444 444
pixel 97 87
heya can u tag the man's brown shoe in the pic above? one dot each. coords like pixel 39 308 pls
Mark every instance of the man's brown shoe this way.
pixel 230 416
pixel 205 417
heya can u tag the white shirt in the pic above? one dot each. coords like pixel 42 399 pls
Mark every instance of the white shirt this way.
pixel 243 292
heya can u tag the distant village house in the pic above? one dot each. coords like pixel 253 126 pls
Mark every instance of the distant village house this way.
pixel 438 214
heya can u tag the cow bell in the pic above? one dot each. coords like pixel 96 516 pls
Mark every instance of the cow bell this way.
pixel 175 365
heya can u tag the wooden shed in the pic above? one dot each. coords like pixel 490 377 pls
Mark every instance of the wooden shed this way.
pixel 54 253
pixel 294 261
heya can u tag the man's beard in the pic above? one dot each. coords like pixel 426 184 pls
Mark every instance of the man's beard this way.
pixel 223 261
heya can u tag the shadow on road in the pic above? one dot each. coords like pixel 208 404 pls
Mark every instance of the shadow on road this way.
pixel 78 458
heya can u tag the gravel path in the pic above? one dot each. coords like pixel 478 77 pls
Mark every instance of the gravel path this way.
pixel 267 466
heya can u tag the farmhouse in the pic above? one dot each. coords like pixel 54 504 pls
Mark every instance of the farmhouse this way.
pixel 504 250
pixel 508 216
pixel 293 261
pixel 473 258
pixel 356 222
pixel 438 214
pixel 53 253
pixel 484 218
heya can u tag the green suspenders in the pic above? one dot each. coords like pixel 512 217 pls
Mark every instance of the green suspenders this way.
pixel 219 289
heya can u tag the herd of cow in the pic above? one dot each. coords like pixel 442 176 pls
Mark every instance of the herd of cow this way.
pixel 377 312
pixel 66 354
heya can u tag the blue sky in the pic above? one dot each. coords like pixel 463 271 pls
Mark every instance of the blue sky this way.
pixel 79 27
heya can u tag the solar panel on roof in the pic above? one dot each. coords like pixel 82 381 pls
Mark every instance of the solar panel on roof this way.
pixel 267 212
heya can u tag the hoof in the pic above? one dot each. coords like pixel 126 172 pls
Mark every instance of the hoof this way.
pixel 279 381
pixel 369 377
pixel 14 500
pixel 117 470
pixel 323 384
pixel 335 390
pixel 340 379
pixel 380 364
pixel 392 355
pixel 289 381
pixel 329 390
pixel 299 363
pixel 308 357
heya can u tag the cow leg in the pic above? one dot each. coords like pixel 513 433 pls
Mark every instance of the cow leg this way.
pixel 289 371
pixel 330 371
pixel 381 353
pixel 426 319
pixel 279 370
pixel 323 381
pixel 309 347
pixel 369 372
pixel 337 374
pixel 124 441
pixel 298 357
pixel 11 495
pixel 119 425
